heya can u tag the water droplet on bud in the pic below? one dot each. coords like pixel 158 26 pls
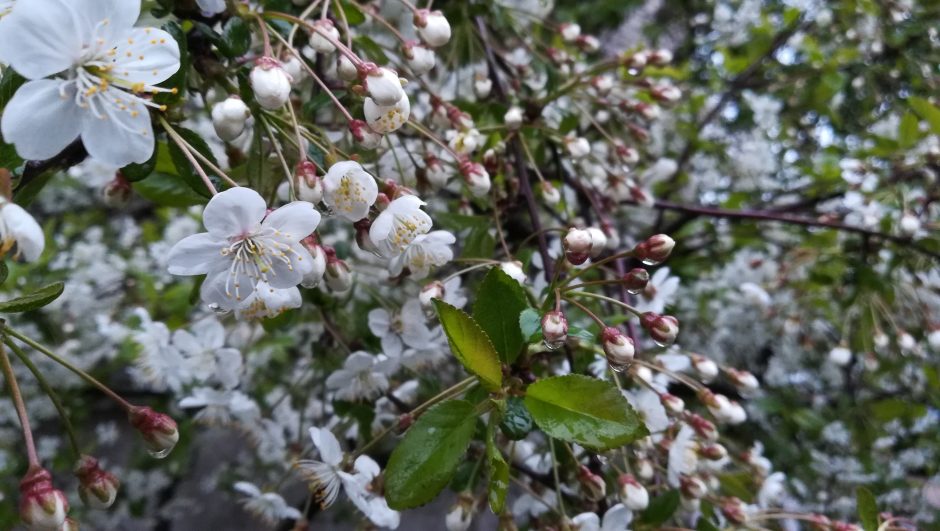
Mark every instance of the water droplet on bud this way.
pixel 618 368
pixel 552 345
pixel 650 262
pixel 160 454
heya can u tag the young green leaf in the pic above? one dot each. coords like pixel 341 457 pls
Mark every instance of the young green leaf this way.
pixel 34 300
pixel 497 468
pixel 867 509
pixel 530 323
pixel 500 300
pixel 927 111
pixel 660 509
pixel 470 344
pixel 590 412
pixel 425 460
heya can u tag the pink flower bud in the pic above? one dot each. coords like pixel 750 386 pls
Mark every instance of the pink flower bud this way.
pixel 159 431
pixel 97 488
pixel 713 452
pixel 592 485
pixel 577 245
pixel 655 250
pixel 42 506
pixel 618 348
pixel 734 510
pixel 362 236
pixel 705 367
pixel 635 60
pixel 672 403
pixel 692 487
pixel 743 380
pixel 476 177
pixel 364 135
pixel 703 427
pixel 308 186
pixel 554 329
pixel 634 495
pixel 338 276
pixel 118 191
pixel 663 329
pixel 636 280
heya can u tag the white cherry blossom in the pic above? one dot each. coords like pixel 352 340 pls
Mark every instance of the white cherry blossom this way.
pixel 424 252
pixel 348 190
pixel 398 225
pixel 18 229
pixel 397 329
pixel 386 118
pixel 244 246
pixel 362 376
pixel 106 70
pixel 269 507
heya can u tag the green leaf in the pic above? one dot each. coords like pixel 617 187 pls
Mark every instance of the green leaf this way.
pixel 425 460
pixel 34 300
pixel 927 111
pixel 530 323
pixel 590 412
pixel 867 509
pixel 908 132
pixel 167 190
pixel 4 272
pixel 354 16
pixel 517 422
pixel 138 172
pixel 661 508
pixel 500 301
pixel 236 38
pixel 470 344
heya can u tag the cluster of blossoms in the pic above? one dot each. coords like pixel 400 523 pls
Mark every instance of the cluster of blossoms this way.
pixel 426 262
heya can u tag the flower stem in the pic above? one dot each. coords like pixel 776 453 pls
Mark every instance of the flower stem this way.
pixel 626 306
pixel 178 140
pixel 17 398
pixel 50 392
pixel 81 374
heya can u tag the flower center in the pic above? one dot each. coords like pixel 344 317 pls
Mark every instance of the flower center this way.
pixel 255 255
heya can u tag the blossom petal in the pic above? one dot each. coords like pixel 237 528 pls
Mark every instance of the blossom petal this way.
pixel 119 14
pixel 294 221
pixel 121 133
pixel 327 445
pixel 39 121
pixel 617 518
pixel 145 55
pixel 234 212
pixel 195 255
pixel 30 240
pixel 41 37
pixel 284 274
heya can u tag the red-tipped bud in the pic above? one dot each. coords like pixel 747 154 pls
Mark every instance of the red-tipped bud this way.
pixel 633 494
pixel 655 250
pixel 692 487
pixel 42 506
pixel 554 329
pixel 706 368
pixel 97 488
pixel 118 191
pixel 713 452
pixel 362 236
pixel 364 135
pixel 734 510
pixel 158 430
pixel 663 329
pixel 338 276
pixel 703 427
pixel 743 380
pixel 309 187
pixel 577 245
pixel 672 403
pixel 636 280
pixel 592 484
pixel 618 348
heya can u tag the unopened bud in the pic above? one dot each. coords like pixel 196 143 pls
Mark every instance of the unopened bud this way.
pixel 577 245
pixel 550 193
pixel 432 27
pixel 734 510
pixel 713 452
pixel 706 368
pixel 743 380
pixel 309 187
pixel 158 431
pixel 118 191
pixel 270 83
pixel 362 237
pixel 598 241
pixel 660 57
pixel 636 280
pixel 476 177
pixel 42 506
pixel 672 403
pixel 703 427
pixel 338 276
pixel 692 487
pixel 634 495
pixel 644 469
pixel 322 36
pixel 663 329
pixel 655 250
pixel 229 118
pixel 314 274
pixel 364 135
pixel 513 118
pixel 97 488
pixel 570 31
pixel 460 515
pixel 592 485
pixel 430 291
pixel 578 147
pixel 618 348
pixel 554 329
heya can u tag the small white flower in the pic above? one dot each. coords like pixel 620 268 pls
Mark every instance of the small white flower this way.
pixel 650 408
pixel 683 458
pixel 349 190
pixel 570 31
pixel 424 252
pixel 219 407
pixel 578 147
pixel 466 141
pixel 617 518
pixel 110 69
pixel 386 118
pixel 19 229
pixel 513 117
pixel 433 28
pixel 361 377
pixel 203 348
pixel 320 42
pixel 269 507
pixel 407 327
pixel 159 362
pixel 384 86
pixel 840 356
pixel 244 246
pixel 229 118
pixel 398 225
pixel 270 83
pixel 482 86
